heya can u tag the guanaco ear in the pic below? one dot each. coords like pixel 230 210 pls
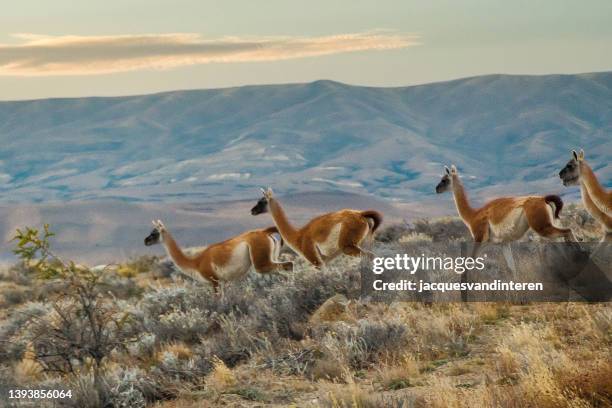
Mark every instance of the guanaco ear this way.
pixel 453 169
pixel 574 155
pixel 263 191
pixel 160 225
pixel 154 223
pixel 447 170
pixel 581 155
pixel 268 193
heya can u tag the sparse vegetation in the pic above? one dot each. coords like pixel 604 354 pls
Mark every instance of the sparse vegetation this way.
pixel 132 336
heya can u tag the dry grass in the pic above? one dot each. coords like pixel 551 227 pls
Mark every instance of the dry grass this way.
pixel 400 374
pixel 28 370
pixel 221 378
pixel 309 341
pixel 177 349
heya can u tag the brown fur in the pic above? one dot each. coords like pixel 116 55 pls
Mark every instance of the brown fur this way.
pixel 309 240
pixel 598 195
pixel 483 221
pixel 596 213
pixel 219 254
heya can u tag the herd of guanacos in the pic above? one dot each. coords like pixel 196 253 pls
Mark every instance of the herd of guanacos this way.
pixel 323 238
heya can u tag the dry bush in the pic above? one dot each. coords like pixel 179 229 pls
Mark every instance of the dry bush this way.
pixel 366 343
pixel 233 342
pixel 328 368
pixel 441 330
pixel 84 326
pixel 442 229
pixel 12 344
pixel 138 265
pixel 20 274
pixel 12 294
pixel 291 359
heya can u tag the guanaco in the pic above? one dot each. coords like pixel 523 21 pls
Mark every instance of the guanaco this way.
pixel 505 219
pixel 324 237
pixel 596 200
pixel 224 261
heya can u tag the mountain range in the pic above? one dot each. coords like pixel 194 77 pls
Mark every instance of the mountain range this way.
pixel 505 133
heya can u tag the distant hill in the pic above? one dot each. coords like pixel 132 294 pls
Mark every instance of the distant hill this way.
pixel 505 133
pixel 105 231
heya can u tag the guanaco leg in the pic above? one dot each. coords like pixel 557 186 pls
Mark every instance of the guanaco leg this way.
pixel 539 220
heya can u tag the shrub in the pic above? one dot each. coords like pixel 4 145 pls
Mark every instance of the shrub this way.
pixel 285 306
pixel 124 393
pixel 368 343
pixel 20 274
pixel 144 347
pixel 233 342
pixel 12 345
pixel 141 264
pixel 84 326
pixel 392 233
pixel 295 361
pixel 11 294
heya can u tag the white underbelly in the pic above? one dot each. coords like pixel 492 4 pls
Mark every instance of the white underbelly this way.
pixel 276 248
pixel 330 247
pixel 511 228
pixel 237 265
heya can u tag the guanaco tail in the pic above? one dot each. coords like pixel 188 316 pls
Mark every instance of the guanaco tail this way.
pixel 224 261
pixel 326 236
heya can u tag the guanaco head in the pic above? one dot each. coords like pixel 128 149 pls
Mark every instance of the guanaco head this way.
pixel 155 237
pixel 570 174
pixel 262 205
pixel 447 179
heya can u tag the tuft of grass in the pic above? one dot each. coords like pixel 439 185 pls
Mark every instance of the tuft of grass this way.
pixel 178 349
pixel 221 378
pixel 28 370
pixel 491 313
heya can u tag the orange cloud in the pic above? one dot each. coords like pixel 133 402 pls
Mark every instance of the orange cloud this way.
pixel 87 55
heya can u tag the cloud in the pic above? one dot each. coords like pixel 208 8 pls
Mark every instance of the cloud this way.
pixel 87 55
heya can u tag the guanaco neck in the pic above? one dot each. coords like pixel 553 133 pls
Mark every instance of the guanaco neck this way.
pixel 175 253
pixel 590 206
pixel 286 230
pixel 466 212
pixel 595 190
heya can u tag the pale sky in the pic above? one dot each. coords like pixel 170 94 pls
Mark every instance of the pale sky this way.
pixel 65 48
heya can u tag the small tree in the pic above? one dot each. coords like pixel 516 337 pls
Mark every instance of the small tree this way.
pixel 86 324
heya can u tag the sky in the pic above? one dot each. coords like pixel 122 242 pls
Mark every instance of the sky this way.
pixel 65 48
